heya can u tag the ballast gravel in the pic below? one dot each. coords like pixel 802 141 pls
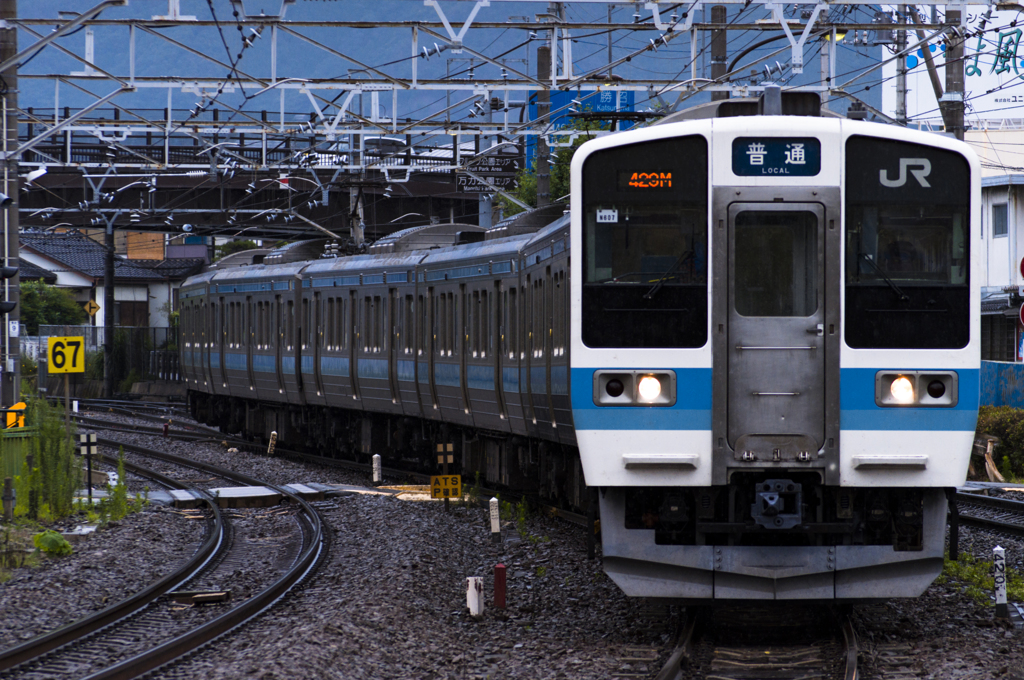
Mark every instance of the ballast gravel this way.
pixel 389 600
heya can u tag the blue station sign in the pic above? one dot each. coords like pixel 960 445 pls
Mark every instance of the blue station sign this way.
pixel 774 156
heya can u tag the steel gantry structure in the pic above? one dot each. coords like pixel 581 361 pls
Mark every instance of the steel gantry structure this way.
pixel 286 123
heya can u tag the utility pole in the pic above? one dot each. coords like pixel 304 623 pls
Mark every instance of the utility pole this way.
pixel 952 103
pixel 543 109
pixel 108 311
pixel 901 68
pixel 719 50
pixel 10 384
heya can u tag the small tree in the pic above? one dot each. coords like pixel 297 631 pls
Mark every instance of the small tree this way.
pixel 559 170
pixel 231 247
pixel 43 304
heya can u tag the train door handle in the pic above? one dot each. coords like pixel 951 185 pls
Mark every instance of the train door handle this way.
pixel 818 330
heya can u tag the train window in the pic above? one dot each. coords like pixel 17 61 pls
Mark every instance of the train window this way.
pixel 364 323
pixel 512 332
pixel 454 335
pixel 304 328
pixel 645 245
pixel 378 321
pixel 473 312
pixel 907 246
pixel 409 328
pixel 776 263
pixel 329 335
pixel 485 326
pixel 424 344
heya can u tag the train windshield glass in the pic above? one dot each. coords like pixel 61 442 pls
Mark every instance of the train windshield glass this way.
pixel 907 240
pixel 645 245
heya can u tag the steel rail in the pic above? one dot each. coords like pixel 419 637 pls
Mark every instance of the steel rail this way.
pixel 47 642
pixel 176 648
pixel 989 503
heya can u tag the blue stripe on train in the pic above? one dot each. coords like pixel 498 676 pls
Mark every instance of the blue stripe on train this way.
pixel 692 410
pixel 858 410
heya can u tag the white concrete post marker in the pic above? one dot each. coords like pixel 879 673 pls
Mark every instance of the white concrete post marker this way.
pixel 376 468
pixel 475 595
pixel 999 572
pixel 495 521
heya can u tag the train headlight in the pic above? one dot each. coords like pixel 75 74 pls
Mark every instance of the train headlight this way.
pixel 616 387
pixel 649 388
pixel 916 388
pixel 902 390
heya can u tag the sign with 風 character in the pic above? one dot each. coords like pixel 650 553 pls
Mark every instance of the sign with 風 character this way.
pixel 993 69
pixel 446 486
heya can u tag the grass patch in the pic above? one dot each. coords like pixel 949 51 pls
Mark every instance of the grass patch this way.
pixel 976 579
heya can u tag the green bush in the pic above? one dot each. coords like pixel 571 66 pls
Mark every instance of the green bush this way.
pixel 1007 423
pixel 56 473
pixel 52 543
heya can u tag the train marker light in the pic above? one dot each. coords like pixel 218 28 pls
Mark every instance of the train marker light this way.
pixel 614 388
pixel 649 388
pixel 936 389
pixel 902 390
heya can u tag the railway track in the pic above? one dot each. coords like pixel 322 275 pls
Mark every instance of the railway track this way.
pixel 740 642
pixel 998 515
pixel 148 631
pixel 197 433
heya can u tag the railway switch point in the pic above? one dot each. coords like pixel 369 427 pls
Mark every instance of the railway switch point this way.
pixel 246 497
pixel 306 492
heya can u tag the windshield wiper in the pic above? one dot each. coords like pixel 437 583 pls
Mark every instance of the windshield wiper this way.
pixel 664 277
pixel 896 289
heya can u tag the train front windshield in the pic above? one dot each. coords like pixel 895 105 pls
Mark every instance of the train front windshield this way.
pixel 645 269
pixel 907 246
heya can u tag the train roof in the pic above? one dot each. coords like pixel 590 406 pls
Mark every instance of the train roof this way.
pixel 362 263
pixel 423 237
pixel 546 233
pixel 496 249
pixel 259 271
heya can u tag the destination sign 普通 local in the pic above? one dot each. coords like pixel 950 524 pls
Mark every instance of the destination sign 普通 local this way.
pixel 446 486
pixel 472 185
pixel 776 156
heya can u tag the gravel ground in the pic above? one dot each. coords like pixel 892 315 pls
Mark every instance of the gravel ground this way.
pixel 389 601
pixel 109 565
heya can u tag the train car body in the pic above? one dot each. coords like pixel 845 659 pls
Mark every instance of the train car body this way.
pixel 755 339
pixel 775 356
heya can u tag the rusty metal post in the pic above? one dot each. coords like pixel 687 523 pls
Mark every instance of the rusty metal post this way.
pixel 719 50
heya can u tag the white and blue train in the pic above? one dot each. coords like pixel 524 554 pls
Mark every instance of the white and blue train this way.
pixel 754 339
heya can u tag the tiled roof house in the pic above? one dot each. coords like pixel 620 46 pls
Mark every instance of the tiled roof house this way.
pixel 142 288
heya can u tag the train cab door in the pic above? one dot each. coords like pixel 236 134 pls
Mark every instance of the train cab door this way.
pixel 776 331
